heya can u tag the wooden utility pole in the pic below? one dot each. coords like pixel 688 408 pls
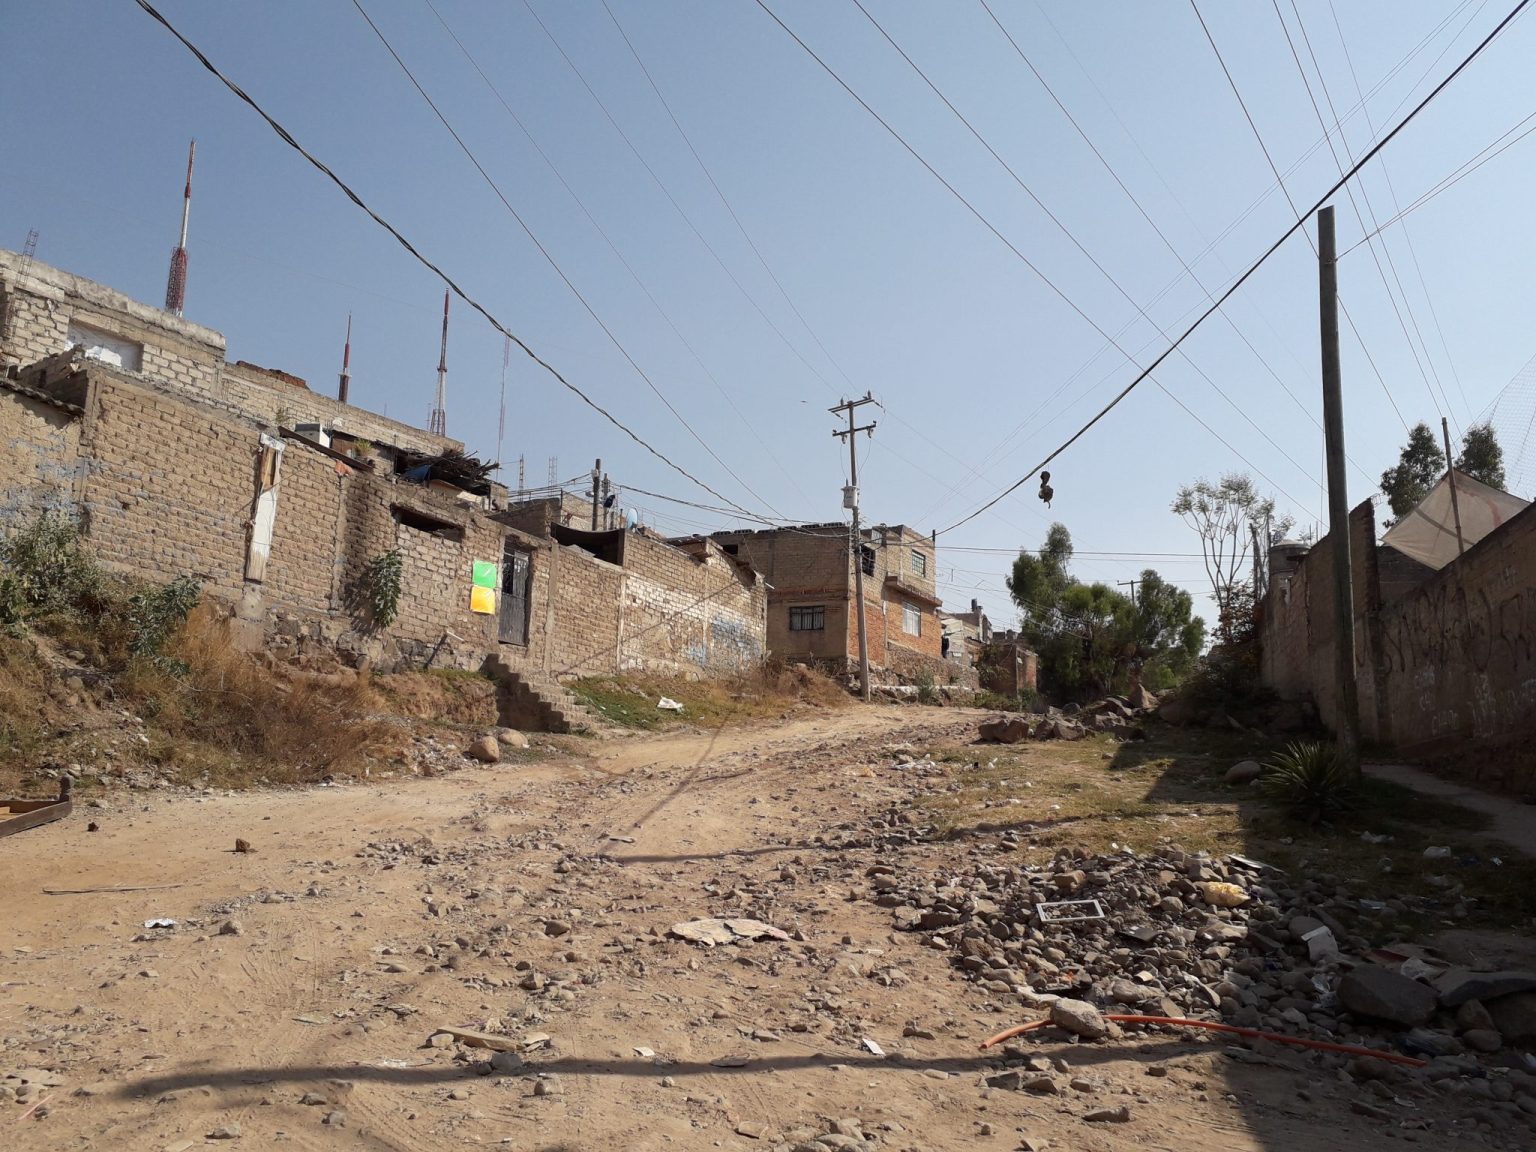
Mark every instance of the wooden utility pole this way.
pixel 597 476
pixel 1450 472
pixel 851 502
pixel 1338 495
pixel 1132 583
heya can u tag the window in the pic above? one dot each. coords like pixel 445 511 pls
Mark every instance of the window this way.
pixel 919 563
pixel 809 619
pixel 911 620
pixel 867 559
pixel 421 522
pixel 107 348
pixel 732 549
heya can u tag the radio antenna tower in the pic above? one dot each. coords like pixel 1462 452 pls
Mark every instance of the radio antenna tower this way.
pixel 346 364
pixel 176 282
pixel 501 418
pixel 439 422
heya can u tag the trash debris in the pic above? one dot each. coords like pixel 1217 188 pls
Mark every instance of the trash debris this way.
pixel 1374 838
pixel 644 1053
pixel 667 704
pixel 1440 852
pixel 871 1047
pixel 160 922
pixel 1067 911
pixel 472 1039
pixel 1223 895
pixel 712 932
pixel 1321 943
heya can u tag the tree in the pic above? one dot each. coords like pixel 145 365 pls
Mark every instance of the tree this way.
pixel 1091 639
pixel 1419 467
pixel 1481 457
pixel 1224 515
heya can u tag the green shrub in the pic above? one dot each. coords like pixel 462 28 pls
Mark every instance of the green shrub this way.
pixel 1310 781
pixel 155 613
pixel 380 587
pixel 927 692
pixel 46 568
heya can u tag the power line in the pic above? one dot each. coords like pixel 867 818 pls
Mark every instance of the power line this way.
pixel 1254 267
pixel 553 263
pixel 288 138
pixel 601 231
pixel 1386 172
pixel 1370 210
pixel 1466 169
pixel 987 223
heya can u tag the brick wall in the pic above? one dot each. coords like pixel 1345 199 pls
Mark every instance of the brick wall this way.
pixel 585 616
pixel 39 448
pixel 1445 663
pixel 691 611
pixel 803 568
pixel 261 393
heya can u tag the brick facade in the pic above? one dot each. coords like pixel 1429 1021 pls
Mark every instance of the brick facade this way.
pixel 810 567
pixel 39 448
pixel 1445 661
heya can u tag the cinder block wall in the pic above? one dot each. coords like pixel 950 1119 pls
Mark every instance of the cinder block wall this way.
pixel 39 451
pixel 687 613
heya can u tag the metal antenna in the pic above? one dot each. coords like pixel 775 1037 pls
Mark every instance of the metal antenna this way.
pixel 438 425
pixel 176 282
pixel 346 364
pixel 501 419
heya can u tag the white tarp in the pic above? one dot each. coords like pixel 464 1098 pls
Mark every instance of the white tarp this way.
pixel 1428 533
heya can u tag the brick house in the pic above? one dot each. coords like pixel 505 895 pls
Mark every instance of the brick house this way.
pixel 812 598
pixel 276 499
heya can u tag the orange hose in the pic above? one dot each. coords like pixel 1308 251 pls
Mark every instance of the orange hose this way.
pixel 1233 1029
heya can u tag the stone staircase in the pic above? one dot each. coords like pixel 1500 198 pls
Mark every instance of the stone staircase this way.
pixel 531 703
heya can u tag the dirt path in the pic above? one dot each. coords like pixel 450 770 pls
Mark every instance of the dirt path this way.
pixel 1509 821
pixel 534 901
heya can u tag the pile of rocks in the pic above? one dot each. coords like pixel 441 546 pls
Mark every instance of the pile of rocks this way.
pixel 1111 714
pixel 1190 935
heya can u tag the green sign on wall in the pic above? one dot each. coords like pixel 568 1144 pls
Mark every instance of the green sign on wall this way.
pixel 484 574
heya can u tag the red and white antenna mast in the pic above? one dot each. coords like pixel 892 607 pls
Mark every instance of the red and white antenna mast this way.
pixel 176 282
pixel 439 422
pixel 346 364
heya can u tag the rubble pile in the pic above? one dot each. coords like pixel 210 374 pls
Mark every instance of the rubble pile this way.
pixel 1222 939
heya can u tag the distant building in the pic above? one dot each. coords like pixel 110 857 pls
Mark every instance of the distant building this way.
pixel 812 603
pixel 965 634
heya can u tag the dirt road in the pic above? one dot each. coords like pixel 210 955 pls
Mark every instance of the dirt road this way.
pixel 294 1002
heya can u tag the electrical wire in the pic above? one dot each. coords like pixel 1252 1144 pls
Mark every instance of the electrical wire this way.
pixel 553 263
pixel 1443 404
pixel 1462 172
pixel 601 231
pixel 288 138
pixel 987 223
pixel 1301 220
pixel 1067 232
pixel 1386 172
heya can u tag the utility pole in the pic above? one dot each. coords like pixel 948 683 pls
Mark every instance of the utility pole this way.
pixel 851 502
pixel 1450 472
pixel 597 476
pixel 1338 497
pixel 1132 583
pixel 607 511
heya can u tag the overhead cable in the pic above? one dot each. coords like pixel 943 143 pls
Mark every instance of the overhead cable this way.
pixel 1226 294
pixel 288 138
pixel 550 259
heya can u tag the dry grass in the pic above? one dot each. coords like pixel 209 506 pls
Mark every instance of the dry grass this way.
pixel 1100 794
pixel 270 724
pixel 767 691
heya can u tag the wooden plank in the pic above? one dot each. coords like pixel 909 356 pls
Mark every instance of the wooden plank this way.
pixel 44 813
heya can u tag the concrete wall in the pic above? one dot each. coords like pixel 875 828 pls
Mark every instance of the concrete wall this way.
pixel 1445 662
pixel 39 450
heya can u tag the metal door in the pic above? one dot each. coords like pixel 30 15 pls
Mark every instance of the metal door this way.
pixel 513 621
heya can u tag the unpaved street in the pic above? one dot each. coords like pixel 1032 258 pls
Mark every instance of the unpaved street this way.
pixel 533 901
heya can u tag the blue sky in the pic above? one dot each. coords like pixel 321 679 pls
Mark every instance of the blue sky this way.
pixel 901 289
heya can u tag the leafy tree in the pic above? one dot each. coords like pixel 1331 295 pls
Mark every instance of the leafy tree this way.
pixel 1224 516
pixel 1089 637
pixel 1419 466
pixel 1481 457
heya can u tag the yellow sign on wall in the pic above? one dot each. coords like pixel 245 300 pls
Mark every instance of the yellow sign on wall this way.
pixel 483 601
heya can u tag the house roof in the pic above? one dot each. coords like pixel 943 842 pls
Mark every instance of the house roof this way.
pixel 41 397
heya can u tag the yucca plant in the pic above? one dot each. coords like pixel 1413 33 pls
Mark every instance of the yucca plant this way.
pixel 1310 781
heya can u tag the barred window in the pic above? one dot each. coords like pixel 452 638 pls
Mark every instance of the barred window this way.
pixel 919 563
pixel 808 619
